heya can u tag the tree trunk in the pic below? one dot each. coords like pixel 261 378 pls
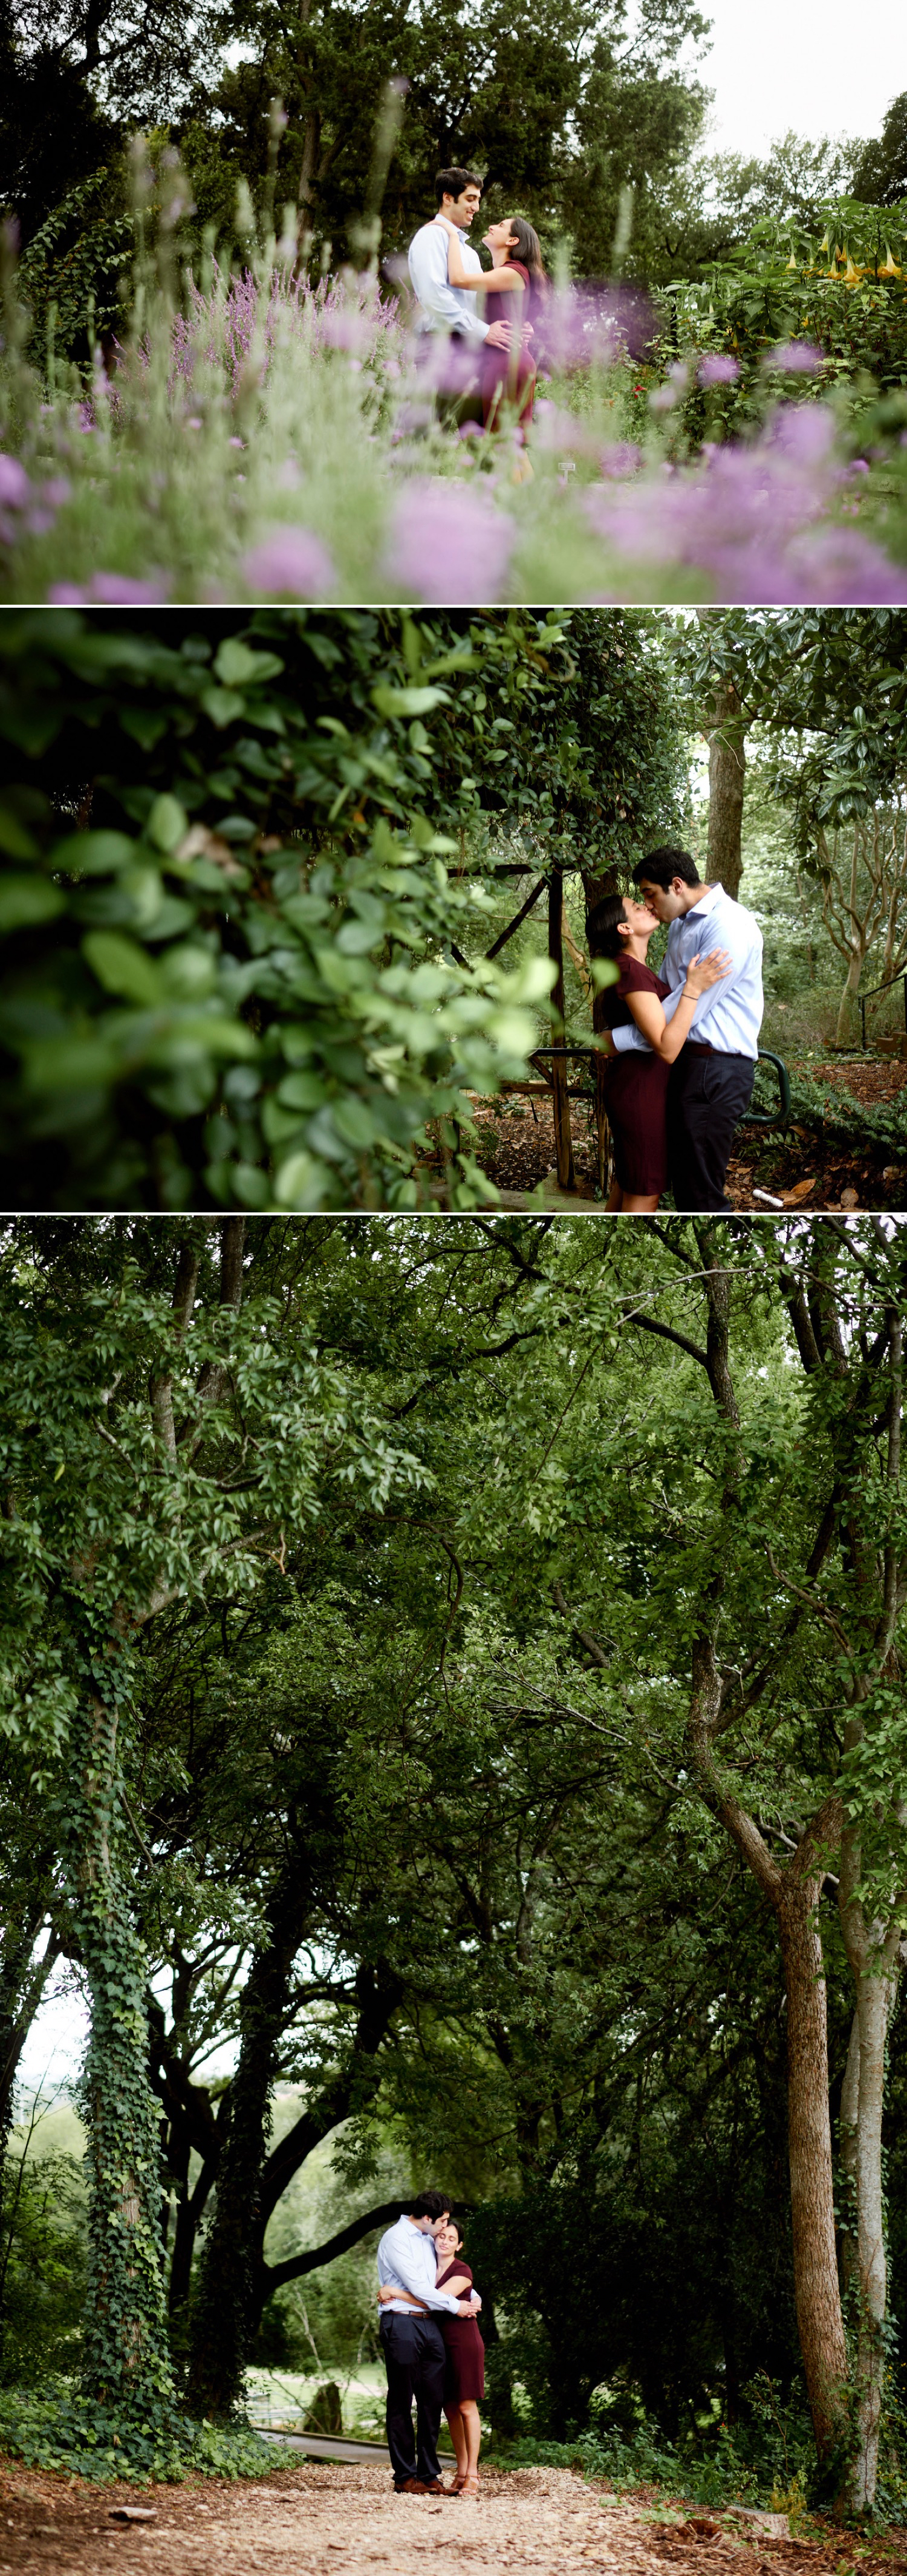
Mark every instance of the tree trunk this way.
pixel 221 2323
pixel 844 1028
pixel 816 2289
pixel 126 2361
pixel 727 772
pixel 566 1177
pixel 872 1950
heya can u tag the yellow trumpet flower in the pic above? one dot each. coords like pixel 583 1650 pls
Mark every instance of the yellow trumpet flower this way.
pixel 891 268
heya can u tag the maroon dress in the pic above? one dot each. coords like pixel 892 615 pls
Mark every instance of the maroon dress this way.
pixel 635 1089
pixel 502 383
pixel 464 2351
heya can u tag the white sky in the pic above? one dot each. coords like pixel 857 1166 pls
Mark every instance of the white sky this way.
pixel 801 64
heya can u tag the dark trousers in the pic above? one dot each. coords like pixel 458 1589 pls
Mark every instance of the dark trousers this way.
pixel 414 2362
pixel 707 1094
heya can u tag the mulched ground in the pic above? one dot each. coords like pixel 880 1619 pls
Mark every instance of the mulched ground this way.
pixel 517 1150
pixel 327 2520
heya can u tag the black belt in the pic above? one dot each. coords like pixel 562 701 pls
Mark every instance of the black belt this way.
pixel 733 1055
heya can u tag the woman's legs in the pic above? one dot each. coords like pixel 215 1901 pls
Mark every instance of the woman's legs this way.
pixel 628 1202
pixel 469 2414
pixel 458 2437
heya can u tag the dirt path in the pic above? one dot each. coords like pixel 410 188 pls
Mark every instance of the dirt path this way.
pixel 327 2521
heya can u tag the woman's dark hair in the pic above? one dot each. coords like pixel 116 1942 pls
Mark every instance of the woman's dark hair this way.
pixel 529 252
pixel 451 183
pixel 603 927
pixel 664 864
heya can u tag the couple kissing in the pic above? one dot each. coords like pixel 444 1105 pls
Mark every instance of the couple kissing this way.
pixel 432 2348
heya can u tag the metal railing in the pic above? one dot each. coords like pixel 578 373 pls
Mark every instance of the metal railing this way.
pixel 863 998
pixel 771 1117
pixel 752 1117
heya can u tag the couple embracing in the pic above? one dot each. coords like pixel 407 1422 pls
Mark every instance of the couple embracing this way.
pixel 682 1046
pixel 432 2348
pixel 488 316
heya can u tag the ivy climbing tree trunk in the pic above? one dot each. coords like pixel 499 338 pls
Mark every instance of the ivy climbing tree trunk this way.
pixel 126 2359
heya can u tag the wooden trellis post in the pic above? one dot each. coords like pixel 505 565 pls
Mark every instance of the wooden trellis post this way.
pixel 566 1178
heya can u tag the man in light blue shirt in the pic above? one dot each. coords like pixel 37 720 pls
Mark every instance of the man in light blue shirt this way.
pixel 712 1081
pixel 413 2345
pixel 445 310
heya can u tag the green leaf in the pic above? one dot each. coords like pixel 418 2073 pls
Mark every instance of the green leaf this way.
pixel 167 823
pixel 93 854
pixel 24 900
pixel 222 706
pixel 407 702
pixel 236 665
pixel 122 967
pixel 14 838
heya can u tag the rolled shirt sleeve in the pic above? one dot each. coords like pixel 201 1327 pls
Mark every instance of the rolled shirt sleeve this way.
pixel 443 307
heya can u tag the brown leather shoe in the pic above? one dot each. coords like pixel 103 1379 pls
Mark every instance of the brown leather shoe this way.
pixel 438 2488
pixel 414 2486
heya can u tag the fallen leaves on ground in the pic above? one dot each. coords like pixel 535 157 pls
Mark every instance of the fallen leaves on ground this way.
pixel 347 2518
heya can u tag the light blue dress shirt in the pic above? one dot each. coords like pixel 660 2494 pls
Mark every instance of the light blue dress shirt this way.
pixel 729 1016
pixel 407 2259
pixel 443 307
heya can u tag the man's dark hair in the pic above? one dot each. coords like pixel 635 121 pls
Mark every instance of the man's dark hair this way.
pixel 430 2204
pixel 451 183
pixel 662 865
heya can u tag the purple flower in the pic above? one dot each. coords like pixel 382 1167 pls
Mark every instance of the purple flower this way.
pixel 795 358
pixel 447 545
pixel 743 515
pixel 65 595
pixel 116 590
pixel 621 459
pixel 15 488
pixel 289 563
pixel 716 369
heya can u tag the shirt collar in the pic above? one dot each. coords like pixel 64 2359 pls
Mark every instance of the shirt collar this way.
pixel 707 900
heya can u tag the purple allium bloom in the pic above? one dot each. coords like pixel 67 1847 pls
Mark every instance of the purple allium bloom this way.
pixel 795 358
pixel 621 459
pixel 717 369
pixel 746 516
pixel 65 595
pixel 15 489
pixel 289 563
pixel 448 545
pixel 116 590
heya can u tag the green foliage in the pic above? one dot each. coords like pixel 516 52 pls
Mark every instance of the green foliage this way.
pixel 42 2263
pixel 846 297
pixel 229 886
pixel 51 2428
pixel 71 274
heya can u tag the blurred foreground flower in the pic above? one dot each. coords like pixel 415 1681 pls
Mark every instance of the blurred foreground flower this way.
pixel 747 517
pixel 111 590
pixel 447 545
pixel 289 563
pixel 718 369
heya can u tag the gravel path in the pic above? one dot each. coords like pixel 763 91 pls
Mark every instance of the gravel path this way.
pixel 328 2521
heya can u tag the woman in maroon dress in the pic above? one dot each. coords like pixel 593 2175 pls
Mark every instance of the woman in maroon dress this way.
pixel 512 291
pixel 464 2370
pixel 635 1080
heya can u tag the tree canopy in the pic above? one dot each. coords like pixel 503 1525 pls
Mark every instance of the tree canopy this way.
pixel 514 1768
